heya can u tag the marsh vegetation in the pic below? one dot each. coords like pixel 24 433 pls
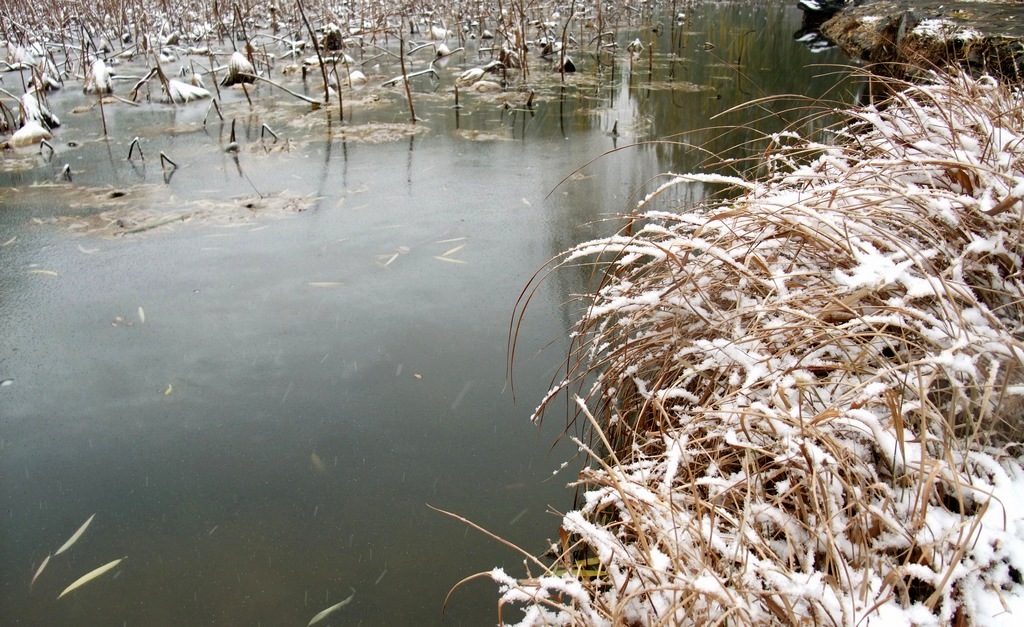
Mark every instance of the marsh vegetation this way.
pixel 802 400
pixel 258 266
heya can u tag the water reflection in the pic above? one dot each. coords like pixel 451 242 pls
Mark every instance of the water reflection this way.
pixel 342 295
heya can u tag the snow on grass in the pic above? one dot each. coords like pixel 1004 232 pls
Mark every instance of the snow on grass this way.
pixel 940 28
pixel 807 398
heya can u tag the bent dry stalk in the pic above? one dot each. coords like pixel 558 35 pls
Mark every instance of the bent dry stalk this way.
pixel 165 160
pixel 131 149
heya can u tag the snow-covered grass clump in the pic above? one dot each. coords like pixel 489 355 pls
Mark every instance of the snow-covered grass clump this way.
pixel 807 396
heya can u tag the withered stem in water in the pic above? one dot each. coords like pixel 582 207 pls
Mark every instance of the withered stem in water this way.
pixel 565 38
pixel 131 149
pixel 312 101
pixel 341 105
pixel 316 47
pixel 214 105
pixel 152 225
pixel 164 160
pixel 103 115
pixel 405 77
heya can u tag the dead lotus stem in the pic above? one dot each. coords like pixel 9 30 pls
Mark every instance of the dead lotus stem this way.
pixel 405 79
pixel 214 106
pixel 103 115
pixel 164 160
pixel 316 48
pixel 131 149
pixel 266 130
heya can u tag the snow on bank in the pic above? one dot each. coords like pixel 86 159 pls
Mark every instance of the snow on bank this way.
pixel 807 396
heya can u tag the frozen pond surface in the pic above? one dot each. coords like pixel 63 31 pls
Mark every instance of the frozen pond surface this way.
pixel 259 395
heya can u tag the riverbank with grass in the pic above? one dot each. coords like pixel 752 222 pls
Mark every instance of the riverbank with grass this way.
pixel 804 401
pixel 984 35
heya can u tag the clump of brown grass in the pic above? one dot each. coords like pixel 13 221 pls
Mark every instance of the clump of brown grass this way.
pixel 800 399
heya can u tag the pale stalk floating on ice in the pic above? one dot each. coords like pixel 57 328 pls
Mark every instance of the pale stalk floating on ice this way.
pixel 74 538
pixel 319 617
pixel 39 572
pixel 86 578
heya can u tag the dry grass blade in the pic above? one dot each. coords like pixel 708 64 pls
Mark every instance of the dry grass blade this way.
pixel 74 537
pixel 330 610
pixel 472 524
pixel 447 597
pixel 86 578
pixel 39 571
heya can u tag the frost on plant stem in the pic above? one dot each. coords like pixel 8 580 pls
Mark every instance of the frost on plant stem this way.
pixel 807 396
